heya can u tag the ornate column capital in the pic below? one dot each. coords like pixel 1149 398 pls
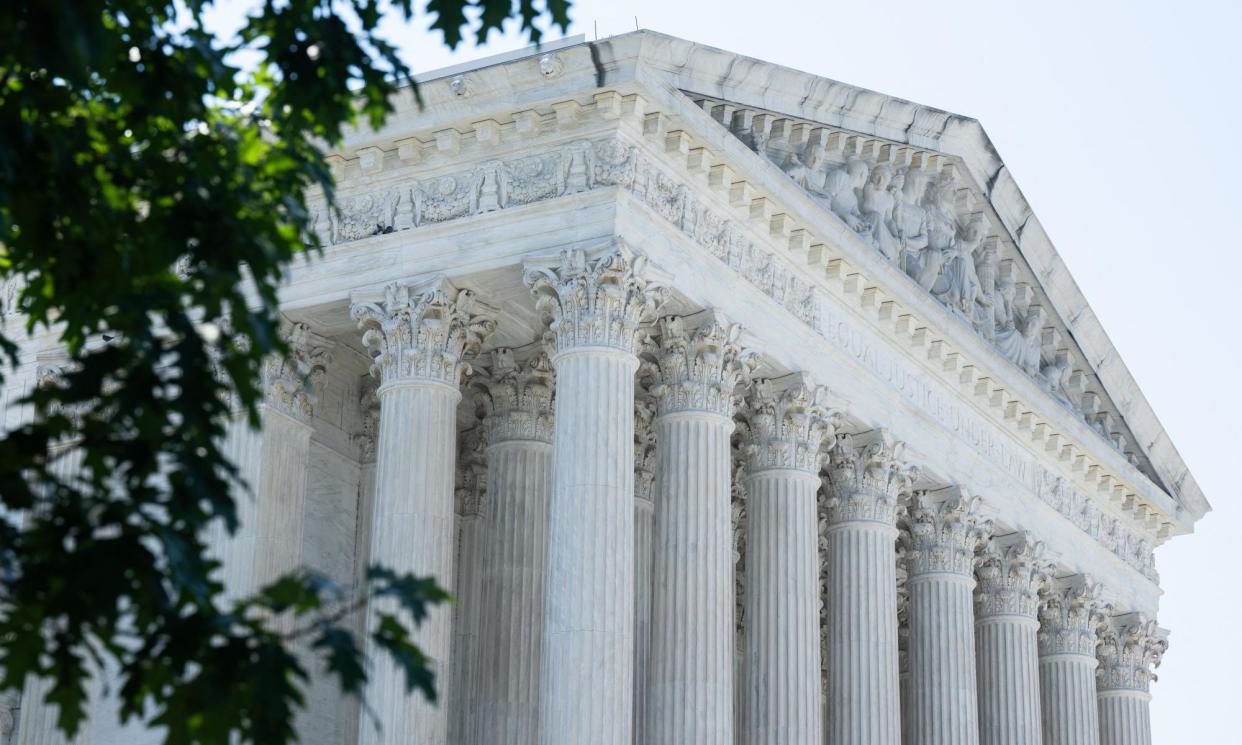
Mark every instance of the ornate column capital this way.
pixel 1012 571
pixel 1070 616
pixel 941 534
pixel 290 382
pixel 865 480
pixel 1130 646
pixel 698 368
pixel 595 301
pixel 423 331
pixel 470 489
pixel 788 423
pixel 516 397
pixel 367 437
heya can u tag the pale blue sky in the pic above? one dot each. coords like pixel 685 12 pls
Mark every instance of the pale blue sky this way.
pixel 1117 119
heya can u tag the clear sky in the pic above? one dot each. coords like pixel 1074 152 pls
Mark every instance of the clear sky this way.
pixel 1118 121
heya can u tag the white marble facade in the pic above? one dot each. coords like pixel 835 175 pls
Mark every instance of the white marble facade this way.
pixel 736 405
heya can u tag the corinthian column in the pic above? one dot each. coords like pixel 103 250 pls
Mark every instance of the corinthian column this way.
pixel 1130 646
pixel 1070 617
pixel 787 427
pixel 518 409
pixel 418 336
pixel 1011 573
pixel 690 684
pixel 940 537
pixel 864 705
pixel 595 306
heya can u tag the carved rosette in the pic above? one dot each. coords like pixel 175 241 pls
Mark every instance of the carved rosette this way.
pixel 942 536
pixel 517 397
pixel 423 332
pixel 788 425
pixel 865 482
pixel 699 369
pixel 644 448
pixel 1128 649
pixel 471 487
pixel 1012 571
pixel 290 382
pixel 595 301
pixel 1070 617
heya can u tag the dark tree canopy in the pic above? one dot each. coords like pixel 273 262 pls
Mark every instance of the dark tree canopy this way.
pixel 152 194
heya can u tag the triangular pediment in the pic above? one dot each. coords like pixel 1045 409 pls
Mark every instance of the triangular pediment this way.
pixel 921 211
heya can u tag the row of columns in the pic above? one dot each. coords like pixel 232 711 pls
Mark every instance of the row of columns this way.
pixel 565 652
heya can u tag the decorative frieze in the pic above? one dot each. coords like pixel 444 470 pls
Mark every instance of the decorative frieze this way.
pixel 517 397
pixel 699 368
pixel 1012 571
pixel 597 301
pixel 942 535
pixel 789 422
pixel 1070 617
pixel 423 332
pixel 290 382
pixel 1129 647
pixel 864 481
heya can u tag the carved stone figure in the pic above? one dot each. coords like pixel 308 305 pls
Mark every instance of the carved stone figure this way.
pixel 958 285
pixel 878 202
pixel 909 218
pixel 1022 347
pixel 841 187
pixel 809 170
pixel 941 233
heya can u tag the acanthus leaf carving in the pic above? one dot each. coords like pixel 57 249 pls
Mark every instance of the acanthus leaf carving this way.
pixel 789 422
pixel 1130 646
pixel 423 332
pixel 864 482
pixel 596 301
pixel 290 382
pixel 1012 572
pixel 517 397
pixel 700 368
pixel 942 535
pixel 1071 615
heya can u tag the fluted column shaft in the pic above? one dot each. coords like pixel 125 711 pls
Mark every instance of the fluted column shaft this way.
pixel 940 539
pixel 690 686
pixel 782 609
pixel 412 531
pixel 1012 572
pixel 596 305
pixel 863 683
pixel 1008 665
pixel 644 576
pixel 690 689
pixel 587 676
pixel 864 689
pixel 1067 694
pixel 280 496
pixel 1125 718
pixel 519 475
pixel 942 666
pixel 1130 646
pixel 1070 618
pixel 786 427
pixel 418 336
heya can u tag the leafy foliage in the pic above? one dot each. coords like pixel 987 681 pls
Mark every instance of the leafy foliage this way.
pixel 152 195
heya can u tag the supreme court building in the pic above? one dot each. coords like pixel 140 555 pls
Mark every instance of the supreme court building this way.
pixel 735 405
